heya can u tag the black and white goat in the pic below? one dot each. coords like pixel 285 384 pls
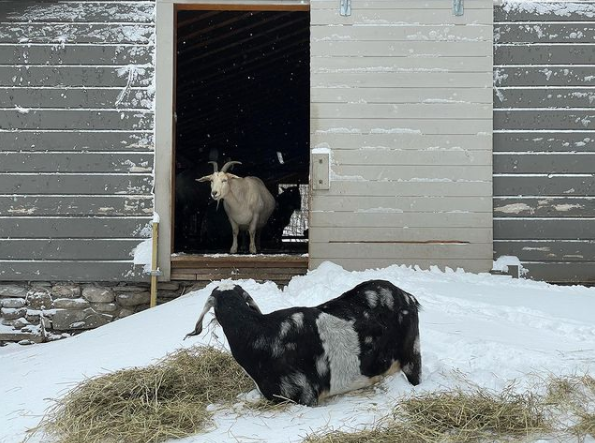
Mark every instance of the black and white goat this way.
pixel 306 354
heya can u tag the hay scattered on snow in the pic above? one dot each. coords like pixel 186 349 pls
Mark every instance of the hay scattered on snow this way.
pixel 469 416
pixel 393 433
pixel 574 398
pixel 453 416
pixel 168 399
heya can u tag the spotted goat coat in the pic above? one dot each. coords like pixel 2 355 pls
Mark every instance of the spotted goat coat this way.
pixel 305 354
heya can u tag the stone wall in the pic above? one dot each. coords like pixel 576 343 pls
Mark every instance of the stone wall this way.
pixel 36 312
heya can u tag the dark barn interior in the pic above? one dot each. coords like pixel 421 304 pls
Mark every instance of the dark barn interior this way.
pixel 242 94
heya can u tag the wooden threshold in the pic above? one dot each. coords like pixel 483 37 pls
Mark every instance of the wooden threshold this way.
pixel 206 268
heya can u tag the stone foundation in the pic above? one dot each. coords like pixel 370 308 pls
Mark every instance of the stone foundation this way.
pixel 43 311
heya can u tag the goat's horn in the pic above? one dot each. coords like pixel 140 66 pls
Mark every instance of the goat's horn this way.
pixel 198 328
pixel 228 164
pixel 215 166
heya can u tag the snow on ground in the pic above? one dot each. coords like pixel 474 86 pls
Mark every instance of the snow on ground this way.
pixel 489 330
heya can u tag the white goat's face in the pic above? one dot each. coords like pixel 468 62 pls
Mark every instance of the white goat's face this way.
pixel 219 184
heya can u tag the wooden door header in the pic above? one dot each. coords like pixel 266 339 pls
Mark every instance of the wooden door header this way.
pixel 243 6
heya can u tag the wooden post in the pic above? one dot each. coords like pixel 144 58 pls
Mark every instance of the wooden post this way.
pixel 154 269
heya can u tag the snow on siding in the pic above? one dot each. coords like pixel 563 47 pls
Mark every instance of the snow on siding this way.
pixel 559 9
pixel 76 136
pixel 544 144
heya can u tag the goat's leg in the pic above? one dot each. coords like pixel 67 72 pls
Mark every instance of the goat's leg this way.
pixel 411 356
pixel 257 239
pixel 235 228
pixel 252 242
pixel 252 232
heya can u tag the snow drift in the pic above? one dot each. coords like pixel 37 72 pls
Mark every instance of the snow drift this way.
pixel 488 330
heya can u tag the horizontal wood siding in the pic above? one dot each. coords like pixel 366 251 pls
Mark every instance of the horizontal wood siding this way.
pixel 76 138
pixel 402 100
pixel 87 98
pixel 93 228
pixel 392 235
pixel 68 141
pixel 77 205
pixel 75 184
pixel 77 76
pixel 544 138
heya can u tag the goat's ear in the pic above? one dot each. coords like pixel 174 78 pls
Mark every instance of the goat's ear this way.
pixel 206 178
pixel 249 300
pixel 232 175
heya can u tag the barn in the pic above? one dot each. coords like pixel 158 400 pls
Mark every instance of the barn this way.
pixel 408 132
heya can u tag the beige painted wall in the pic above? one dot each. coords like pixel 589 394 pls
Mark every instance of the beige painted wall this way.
pixel 401 101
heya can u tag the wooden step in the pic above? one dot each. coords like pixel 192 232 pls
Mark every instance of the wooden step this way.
pixel 206 268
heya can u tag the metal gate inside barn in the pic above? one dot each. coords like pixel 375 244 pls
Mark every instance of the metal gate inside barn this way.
pixel 544 138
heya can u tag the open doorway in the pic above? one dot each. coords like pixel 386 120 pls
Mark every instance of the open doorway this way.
pixel 242 94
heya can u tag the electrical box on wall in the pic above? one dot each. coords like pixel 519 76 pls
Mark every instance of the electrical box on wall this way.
pixel 321 170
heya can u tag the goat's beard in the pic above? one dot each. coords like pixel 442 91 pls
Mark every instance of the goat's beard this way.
pixel 217 199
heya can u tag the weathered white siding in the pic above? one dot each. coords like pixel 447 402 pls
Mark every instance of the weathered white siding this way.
pixel 402 99
pixel 76 142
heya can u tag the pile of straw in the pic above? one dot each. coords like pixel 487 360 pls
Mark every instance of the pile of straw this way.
pixel 471 416
pixel 454 416
pixel 168 399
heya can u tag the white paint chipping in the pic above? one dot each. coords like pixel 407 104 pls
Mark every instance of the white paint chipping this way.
pixel 567 207
pixel 515 208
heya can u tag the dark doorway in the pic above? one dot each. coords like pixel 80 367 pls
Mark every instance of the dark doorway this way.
pixel 242 93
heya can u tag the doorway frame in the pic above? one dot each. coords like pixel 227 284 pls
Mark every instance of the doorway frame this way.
pixel 165 106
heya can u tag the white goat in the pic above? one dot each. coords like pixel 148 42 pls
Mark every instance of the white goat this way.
pixel 247 202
